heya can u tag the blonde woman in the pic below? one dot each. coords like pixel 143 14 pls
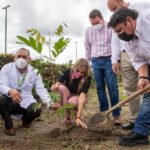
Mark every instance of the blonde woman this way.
pixel 73 87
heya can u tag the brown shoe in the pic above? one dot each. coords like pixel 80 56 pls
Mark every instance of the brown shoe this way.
pixel 10 132
pixel 116 121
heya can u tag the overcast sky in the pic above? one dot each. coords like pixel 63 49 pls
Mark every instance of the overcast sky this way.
pixel 46 15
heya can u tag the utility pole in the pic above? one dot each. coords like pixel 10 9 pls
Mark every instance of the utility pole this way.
pixel 76 44
pixel 6 27
pixel 49 43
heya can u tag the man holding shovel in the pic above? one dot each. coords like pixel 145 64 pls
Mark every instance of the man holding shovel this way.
pixel 134 27
pixel 121 60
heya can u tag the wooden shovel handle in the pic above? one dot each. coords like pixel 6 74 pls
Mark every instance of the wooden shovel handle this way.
pixel 128 99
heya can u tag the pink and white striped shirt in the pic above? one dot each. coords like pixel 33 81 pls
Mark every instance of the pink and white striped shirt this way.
pixel 97 42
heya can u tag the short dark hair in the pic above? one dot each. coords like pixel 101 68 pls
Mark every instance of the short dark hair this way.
pixel 120 16
pixel 95 13
pixel 24 49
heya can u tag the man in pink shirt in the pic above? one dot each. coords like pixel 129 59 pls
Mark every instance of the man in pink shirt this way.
pixel 98 51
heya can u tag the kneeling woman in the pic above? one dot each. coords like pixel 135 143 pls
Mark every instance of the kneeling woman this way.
pixel 73 86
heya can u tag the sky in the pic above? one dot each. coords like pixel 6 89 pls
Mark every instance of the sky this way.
pixel 46 15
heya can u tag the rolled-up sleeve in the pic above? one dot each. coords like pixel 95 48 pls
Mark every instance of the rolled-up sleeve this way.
pixel 4 81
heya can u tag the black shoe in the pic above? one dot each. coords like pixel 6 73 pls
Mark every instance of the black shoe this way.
pixel 128 126
pixel 132 139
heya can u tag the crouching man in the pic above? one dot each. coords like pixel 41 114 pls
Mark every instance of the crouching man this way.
pixel 17 80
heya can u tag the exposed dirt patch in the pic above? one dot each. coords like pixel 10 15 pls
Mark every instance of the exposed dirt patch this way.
pixel 45 134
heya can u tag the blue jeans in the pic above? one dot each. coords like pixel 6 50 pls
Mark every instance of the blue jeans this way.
pixel 142 122
pixel 103 74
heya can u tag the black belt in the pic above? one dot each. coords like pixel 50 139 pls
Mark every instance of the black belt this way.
pixel 102 57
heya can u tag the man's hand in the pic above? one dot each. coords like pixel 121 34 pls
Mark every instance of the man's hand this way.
pixel 116 68
pixel 15 95
pixel 80 123
pixel 142 83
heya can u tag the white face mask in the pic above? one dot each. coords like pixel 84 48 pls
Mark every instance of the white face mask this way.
pixel 21 63
pixel 97 26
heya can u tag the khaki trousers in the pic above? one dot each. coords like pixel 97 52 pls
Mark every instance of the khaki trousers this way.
pixel 130 80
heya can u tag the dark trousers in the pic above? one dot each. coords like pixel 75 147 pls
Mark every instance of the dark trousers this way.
pixel 7 107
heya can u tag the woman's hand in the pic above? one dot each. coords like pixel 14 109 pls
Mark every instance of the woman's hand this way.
pixel 55 106
pixel 80 123
pixel 55 87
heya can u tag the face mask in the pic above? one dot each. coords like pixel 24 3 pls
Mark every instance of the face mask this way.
pixel 21 63
pixel 77 74
pixel 123 36
pixel 97 26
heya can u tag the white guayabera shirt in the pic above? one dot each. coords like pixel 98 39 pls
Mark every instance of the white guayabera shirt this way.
pixel 139 50
pixel 117 45
pixel 9 79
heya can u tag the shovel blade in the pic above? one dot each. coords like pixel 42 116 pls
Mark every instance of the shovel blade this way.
pixel 96 119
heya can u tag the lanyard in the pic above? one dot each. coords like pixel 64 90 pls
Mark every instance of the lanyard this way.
pixel 21 80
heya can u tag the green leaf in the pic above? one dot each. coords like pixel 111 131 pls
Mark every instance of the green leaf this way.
pixel 39 47
pixel 34 32
pixel 61 111
pixel 59 30
pixel 60 45
pixel 54 54
pixel 30 30
pixel 69 106
pixel 24 40
pixel 38 36
pixel 33 42
pixel 36 107
pixel 43 39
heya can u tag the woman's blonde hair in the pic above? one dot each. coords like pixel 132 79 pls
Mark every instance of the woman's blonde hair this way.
pixel 82 65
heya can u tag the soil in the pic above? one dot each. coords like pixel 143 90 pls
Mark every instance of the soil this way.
pixel 45 133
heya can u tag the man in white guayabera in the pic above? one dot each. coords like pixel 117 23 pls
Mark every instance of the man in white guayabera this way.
pixel 133 26
pixel 17 80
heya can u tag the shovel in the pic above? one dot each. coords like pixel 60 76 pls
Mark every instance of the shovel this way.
pixel 101 119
